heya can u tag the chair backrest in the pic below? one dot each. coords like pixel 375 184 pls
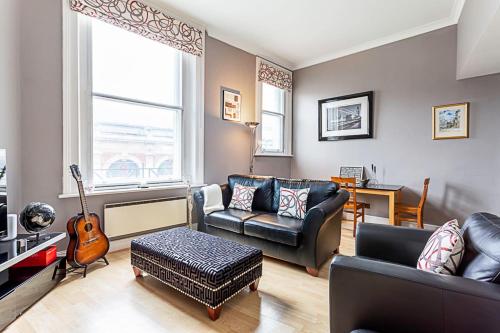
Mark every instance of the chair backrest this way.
pixel 424 193
pixel 348 184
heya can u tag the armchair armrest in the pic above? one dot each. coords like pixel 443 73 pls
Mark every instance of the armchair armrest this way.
pixel 394 244
pixel 388 297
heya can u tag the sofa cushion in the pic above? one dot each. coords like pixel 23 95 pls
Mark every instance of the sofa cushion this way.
pixel 275 228
pixel 320 190
pixel 229 219
pixel 263 198
pixel 481 261
pixel 242 197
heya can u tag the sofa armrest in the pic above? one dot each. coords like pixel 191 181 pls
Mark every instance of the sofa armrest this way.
pixel 394 244
pixel 388 297
pixel 198 202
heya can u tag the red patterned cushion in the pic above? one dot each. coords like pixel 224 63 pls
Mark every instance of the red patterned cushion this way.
pixel 293 202
pixel 444 250
pixel 242 197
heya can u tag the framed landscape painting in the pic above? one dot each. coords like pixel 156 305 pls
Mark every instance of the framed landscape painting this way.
pixel 450 121
pixel 346 117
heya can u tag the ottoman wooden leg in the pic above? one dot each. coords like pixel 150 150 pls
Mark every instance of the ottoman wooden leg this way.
pixel 137 271
pixel 214 313
pixel 254 285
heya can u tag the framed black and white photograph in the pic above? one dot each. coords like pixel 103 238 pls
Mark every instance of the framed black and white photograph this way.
pixel 346 117
pixel 230 104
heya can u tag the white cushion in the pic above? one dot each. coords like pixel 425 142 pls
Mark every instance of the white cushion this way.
pixel 444 250
pixel 242 197
pixel 293 202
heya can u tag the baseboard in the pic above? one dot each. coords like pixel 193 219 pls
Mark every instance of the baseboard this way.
pixel 120 244
pixel 385 220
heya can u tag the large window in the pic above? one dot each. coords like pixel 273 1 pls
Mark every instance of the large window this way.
pixel 274 113
pixel 133 112
pixel 136 107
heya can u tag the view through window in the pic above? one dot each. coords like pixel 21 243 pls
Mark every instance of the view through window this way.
pixel 136 108
pixel 273 118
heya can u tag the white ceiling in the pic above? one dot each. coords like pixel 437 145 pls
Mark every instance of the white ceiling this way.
pixel 300 33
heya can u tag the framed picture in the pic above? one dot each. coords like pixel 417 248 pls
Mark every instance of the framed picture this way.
pixel 230 104
pixel 357 172
pixel 450 121
pixel 346 117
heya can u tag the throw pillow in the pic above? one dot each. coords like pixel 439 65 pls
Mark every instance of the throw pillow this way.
pixel 293 202
pixel 444 250
pixel 242 197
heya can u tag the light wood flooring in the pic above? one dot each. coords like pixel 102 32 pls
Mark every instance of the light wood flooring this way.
pixel 111 299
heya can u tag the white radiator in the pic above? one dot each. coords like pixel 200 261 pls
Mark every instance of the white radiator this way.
pixel 129 219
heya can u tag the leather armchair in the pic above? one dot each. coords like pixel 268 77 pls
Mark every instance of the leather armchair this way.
pixel 380 289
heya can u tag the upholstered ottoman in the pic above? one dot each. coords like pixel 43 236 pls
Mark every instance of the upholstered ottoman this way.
pixel 207 268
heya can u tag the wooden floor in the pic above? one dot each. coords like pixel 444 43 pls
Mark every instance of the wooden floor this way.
pixel 110 299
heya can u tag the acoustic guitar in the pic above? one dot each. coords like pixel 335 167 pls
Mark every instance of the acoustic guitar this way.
pixel 87 242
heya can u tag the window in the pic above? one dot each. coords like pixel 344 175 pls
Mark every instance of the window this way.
pixel 131 105
pixel 136 107
pixel 274 115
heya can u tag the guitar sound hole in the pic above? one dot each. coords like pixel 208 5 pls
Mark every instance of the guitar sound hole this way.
pixel 88 227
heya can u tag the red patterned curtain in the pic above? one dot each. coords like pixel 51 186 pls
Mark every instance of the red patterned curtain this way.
pixel 274 74
pixel 146 21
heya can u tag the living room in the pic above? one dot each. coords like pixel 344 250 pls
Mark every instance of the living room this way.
pixel 200 127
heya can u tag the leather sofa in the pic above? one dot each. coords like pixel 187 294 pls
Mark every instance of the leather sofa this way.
pixel 309 242
pixel 381 290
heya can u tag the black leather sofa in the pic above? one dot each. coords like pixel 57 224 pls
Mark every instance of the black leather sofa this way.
pixel 381 290
pixel 309 242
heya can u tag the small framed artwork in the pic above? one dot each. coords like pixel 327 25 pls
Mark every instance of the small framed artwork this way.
pixel 357 172
pixel 450 121
pixel 346 117
pixel 230 104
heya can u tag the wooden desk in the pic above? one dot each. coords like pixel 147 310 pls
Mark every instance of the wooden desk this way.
pixel 393 192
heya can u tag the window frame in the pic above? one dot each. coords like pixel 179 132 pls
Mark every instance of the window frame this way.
pixel 77 110
pixel 286 138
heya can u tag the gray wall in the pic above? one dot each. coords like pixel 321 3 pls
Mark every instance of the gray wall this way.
pixel 408 77
pixel 226 144
pixel 10 94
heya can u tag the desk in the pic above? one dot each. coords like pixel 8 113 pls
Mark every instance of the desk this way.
pixel 393 192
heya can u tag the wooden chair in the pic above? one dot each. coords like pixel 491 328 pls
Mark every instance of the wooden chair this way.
pixel 411 213
pixel 353 206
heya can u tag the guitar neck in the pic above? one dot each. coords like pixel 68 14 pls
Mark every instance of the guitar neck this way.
pixel 83 200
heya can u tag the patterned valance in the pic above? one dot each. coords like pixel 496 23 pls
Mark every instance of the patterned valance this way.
pixel 146 21
pixel 274 74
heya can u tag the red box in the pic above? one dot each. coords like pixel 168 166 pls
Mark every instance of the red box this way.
pixel 42 258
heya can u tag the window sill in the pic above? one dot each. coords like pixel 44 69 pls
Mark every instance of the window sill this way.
pixel 129 190
pixel 273 155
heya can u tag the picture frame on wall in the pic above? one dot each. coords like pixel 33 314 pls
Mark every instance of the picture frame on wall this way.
pixel 450 121
pixel 346 117
pixel 230 104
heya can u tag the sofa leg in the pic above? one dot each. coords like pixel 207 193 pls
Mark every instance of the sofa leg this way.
pixel 214 313
pixel 312 271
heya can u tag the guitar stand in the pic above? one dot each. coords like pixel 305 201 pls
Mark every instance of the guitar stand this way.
pixel 76 270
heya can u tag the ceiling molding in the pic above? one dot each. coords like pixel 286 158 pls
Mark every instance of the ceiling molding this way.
pixel 439 24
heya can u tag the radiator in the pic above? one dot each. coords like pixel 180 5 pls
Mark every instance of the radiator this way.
pixel 127 219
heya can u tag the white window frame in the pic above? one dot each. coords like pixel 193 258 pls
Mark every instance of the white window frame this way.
pixel 77 108
pixel 287 122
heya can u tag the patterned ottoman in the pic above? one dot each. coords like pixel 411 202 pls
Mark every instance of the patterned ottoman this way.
pixel 207 268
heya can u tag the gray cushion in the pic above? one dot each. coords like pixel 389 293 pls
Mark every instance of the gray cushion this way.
pixel 275 228
pixel 229 219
